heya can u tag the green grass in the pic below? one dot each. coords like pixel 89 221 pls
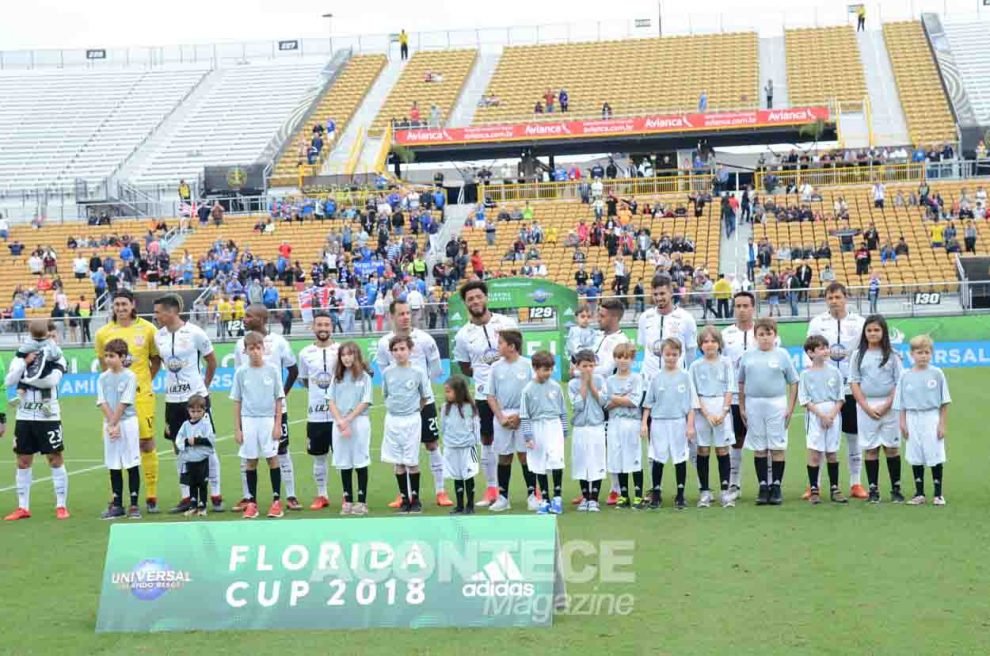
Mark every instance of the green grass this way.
pixel 822 580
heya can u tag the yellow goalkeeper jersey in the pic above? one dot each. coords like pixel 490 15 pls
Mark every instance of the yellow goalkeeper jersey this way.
pixel 140 338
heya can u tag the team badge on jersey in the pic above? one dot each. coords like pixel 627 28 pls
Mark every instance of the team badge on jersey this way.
pixel 932 384
pixel 490 356
pixel 838 352
pixel 657 347
pixel 410 384
pixel 174 365
pixel 322 379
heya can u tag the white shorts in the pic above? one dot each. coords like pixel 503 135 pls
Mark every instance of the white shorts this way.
pixel 668 440
pixel 588 453
pixel 923 446
pixel 765 423
pixel 125 451
pixel 460 462
pixel 508 440
pixel 713 436
pixel 547 453
pixel 400 445
pixel 353 452
pixel 624 448
pixel 258 440
pixel 874 433
pixel 820 438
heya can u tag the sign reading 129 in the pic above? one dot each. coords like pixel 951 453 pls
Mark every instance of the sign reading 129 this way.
pixel 544 312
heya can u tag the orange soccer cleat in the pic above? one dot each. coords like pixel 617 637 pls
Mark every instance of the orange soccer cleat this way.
pixel 397 503
pixel 275 511
pixel 250 510
pixel 443 500
pixel 20 513
pixel 577 500
pixel 613 498
pixel 62 513
pixel 491 495
pixel 241 505
pixel 857 491
pixel 319 503
pixel 807 494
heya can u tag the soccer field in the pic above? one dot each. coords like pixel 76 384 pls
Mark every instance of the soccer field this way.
pixel 795 579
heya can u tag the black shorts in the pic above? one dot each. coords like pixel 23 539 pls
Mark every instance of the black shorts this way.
pixel 738 427
pixel 283 442
pixel 849 424
pixel 487 418
pixel 429 430
pixel 177 413
pixel 195 473
pixel 31 437
pixel 319 438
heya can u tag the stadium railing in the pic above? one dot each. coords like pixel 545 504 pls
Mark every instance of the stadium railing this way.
pixel 675 182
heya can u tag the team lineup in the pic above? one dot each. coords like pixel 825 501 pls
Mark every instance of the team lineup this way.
pixel 697 391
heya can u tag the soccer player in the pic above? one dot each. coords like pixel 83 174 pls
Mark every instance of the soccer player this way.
pixel 143 359
pixel 820 394
pixel 588 399
pixel 544 424
pixel 116 390
pixel 714 384
pixel 476 350
pixel 196 442
pixel 426 356
pixel 506 381
pixel 317 365
pixel 623 450
pixel 922 399
pixel 669 401
pixel 181 346
pixel 460 442
pixel 843 328
pixel 279 354
pixel 38 430
pixel 350 398
pixel 873 374
pixel 406 390
pixel 258 397
pixel 665 321
pixel 767 394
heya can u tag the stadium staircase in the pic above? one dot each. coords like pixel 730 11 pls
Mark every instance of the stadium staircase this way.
pixel 888 125
pixel 773 66
pixel 474 88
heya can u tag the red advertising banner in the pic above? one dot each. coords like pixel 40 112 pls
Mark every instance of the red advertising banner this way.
pixel 646 125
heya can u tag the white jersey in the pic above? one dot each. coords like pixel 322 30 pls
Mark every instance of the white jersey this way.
pixel 316 369
pixel 735 343
pixel 603 347
pixel 478 345
pixel 425 355
pixel 40 400
pixel 655 327
pixel 843 337
pixel 278 353
pixel 181 352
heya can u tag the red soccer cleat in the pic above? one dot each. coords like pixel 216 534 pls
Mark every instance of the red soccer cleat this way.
pixel 397 503
pixel 807 494
pixel 857 491
pixel 443 500
pixel 62 513
pixel 250 510
pixel 613 498
pixel 20 513
pixel 319 503
pixel 275 511
pixel 491 495
pixel 241 505
pixel 577 500
pixel 292 503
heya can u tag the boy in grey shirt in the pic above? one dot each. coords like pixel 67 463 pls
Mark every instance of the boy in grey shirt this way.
pixel 544 425
pixel 505 382
pixel 195 441
pixel 406 390
pixel 820 393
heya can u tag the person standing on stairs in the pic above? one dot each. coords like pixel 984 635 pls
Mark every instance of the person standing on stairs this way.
pixel 769 91
pixel 403 45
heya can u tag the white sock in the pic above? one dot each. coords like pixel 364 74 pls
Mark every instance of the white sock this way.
pixel 489 463
pixel 214 476
pixel 692 453
pixel 245 494
pixel 288 476
pixel 24 488
pixel 320 474
pixel 60 480
pixel 436 466
pixel 855 458
pixel 735 464
pixel 615 483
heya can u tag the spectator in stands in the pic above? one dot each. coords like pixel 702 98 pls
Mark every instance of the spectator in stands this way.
pixel 50 260
pixel 879 193
pixel 565 100
pixel 862 257
pixel 872 237
pixel 35 264
pixel 606 111
pixel 489 100
pixel 414 114
pixel 861 17
pixel 952 246
pixel 477 265
pixel 4 228
pixel 969 236
pixel 185 194
pixel 403 45
pixel 15 248
pixel 217 214
pixel 538 107
pixel 435 116
pixel 548 99
pixel 768 90
pixel 703 101
pixel 772 284
pixel 937 233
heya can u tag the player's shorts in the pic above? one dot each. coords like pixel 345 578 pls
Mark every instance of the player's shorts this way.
pixel 547 453
pixel 509 440
pixel 849 425
pixel 353 452
pixel 429 427
pixel 708 435
pixel 32 437
pixel 144 405
pixel 668 440
pixel 923 446
pixel 123 452
pixel 460 462
pixel 177 413
pixel 874 433
pixel 258 441
pixel 766 429
pixel 588 453
pixel 623 446
pixel 195 474
pixel 487 419
pixel 283 441
pixel 319 437
pixel 400 445
pixel 738 426
pixel 818 437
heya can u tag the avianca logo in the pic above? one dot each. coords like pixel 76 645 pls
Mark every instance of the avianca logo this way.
pixel 499 578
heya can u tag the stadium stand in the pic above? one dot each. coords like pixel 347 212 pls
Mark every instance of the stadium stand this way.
pixel 968 41
pixel 339 103
pixel 452 67
pixel 918 84
pixel 823 65
pixel 680 68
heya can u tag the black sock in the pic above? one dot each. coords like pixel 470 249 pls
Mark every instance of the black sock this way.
pixel 504 476
pixel 919 479
pixel 813 476
pixel 937 479
pixel 777 467
pixel 894 469
pixel 872 472
pixel 761 469
pixel 414 486
pixel 623 484
pixel 193 493
pixel 657 475
pixel 833 475
pixel 724 471
pixel 347 482
pixel 701 462
pixel 134 483
pixel 275 473
pixel 530 479
pixel 594 489
pixel 117 486
pixel 469 492
pixel 680 474
pixel 638 483
pixel 558 479
pixel 362 476
pixel 403 490
pixel 544 486
pixel 459 493
pixel 202 495
pixel 252 482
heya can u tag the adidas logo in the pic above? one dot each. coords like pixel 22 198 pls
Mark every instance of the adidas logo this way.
pixel 499 578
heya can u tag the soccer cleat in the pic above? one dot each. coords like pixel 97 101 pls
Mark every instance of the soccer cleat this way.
pixel 62 513
pixel 113 512
pixel 20 513
pixel 613 498
pixel 469 510
pixel 679 503
pixel 538 494
pixel 359 509
pixel 347 508
pixel 763 496
pixel 416 507
pixel 594 507
pixel 275 510
pixel 557 506
pixel 403 507
pixel 397 503
pixel 443 500
pixel 457 511
pixel 656 500
pixel 491 495
pixel 189 513
pixel 938 501
pixel 292 503
pixel 857 491
pixel 578 500
pixel 241 505
pixel 151 505
pixel 133 512
pixel 874 495
pixel 815 497
pixel 734 492
pixel 501 505
pixel 836 496
pixel 776 498
pixel 250 510
pixel 217 502
pixel 181 507
pixel 807 494
pixel 202 512
pixel 705 500
pixel 319 503
pixel 727 500
pixel 532 503
pixel 896 496
pixel 583 506
pixel 917 500
pixel 640 503
pixel 544 508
